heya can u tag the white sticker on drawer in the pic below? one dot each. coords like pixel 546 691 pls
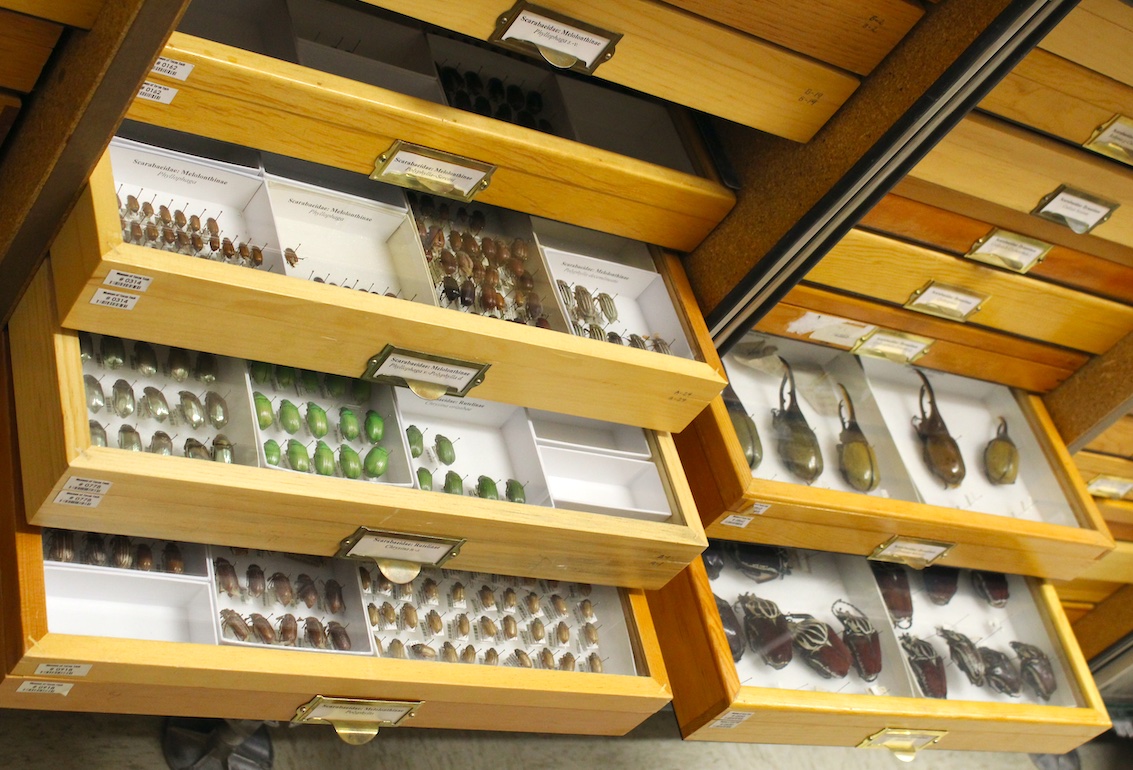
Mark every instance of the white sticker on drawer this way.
pixel 155 92
pixel 46 688
pixel 736 520
pixel 829 329
pixel 131 281
pixel 62 669
pixel 732 719
pixel 116 299
pixel 79 499
pixel 549 33
pixel 90 486
pixel 179 70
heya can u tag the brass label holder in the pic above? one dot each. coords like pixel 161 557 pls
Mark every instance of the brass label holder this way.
pixel 558 39
pixel 903 743
pixel 1114 139
pixel 399 555
pixel 1076 209
pixel 892 345
pixel 1110 487
pixel 356 720
pixel 943 300
pixel 428 376
pixel 432 171
pixel 1011 251
pixel 913 552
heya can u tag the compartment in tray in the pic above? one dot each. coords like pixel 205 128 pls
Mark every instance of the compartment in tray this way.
pixel 360 46
pixel 346 240
pixel 636 310
pixel 259 594
pixel 598 483
pixel 488 440
pixel 192 206
pixel 971 410
pixel 756 376
pixel 815 595
pixel 120 552
pixel 358 424
pixel 166 400
pixel 262 26
pixel 565 431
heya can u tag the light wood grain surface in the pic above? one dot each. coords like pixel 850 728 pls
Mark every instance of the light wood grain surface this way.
pixel 25 44
pixel 73 13
pixel 1097 34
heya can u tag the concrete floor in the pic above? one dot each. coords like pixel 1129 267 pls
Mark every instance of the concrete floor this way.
pixel 33 740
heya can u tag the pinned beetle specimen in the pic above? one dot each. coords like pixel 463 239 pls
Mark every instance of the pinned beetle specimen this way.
pixel 86 347
pixel 272 452
pixel 154 405
pixel 235 623
pixel 940 583
pixel 856 459
pixel 1036 669
pixel 280 586
pixel 315 634
pixel 61 545
pixel 745 432
pixel 297 456
pixel 96 399
pixel 171 559
pixel 713 558
pixel 767 631
pixel 161 444
pixel 145 359
pixel 820 646
pixel 537 630
pixel 94 550
pixel 222 449
pixel 206 370
pixel 1001 457
pixel 894 584
pixel 143 557
pixel 992 587
pixel 940 451
pixel 522 659
pixel 192 409
pixel 324 459
pixel 761 563
pixel 112 352
pixel 257 583
pixel 226 580
pixel 861 638
pixel 339 639
pixel 965 655
pixel 216 408
pixel 927 666
pixel 122 399
pixel 288 630
pixel 262 628
pixel 178 364
pixel 1001 674
pixel 797 444
pixel 129 439
pixel 194 449
pixel 732 630
pixel 97 433
pixel 306 591
pixel 121 552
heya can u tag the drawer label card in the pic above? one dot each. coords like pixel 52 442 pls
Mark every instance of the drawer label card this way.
pixel 432 171
pixel 90 486
pixel 131 281
pixel 178 70
pixel 1009 250
pixel 78 499
pixel 355 711
pixel 155 92
pixel 732 719
pixel 560 40
pixel 1078 210
pixel 115 299
pixel 1114 139
pixel 399 547
pixel 894 346
pixel 829 329
pixel 428 376
pixel 915 552
pixel 46 688
pixel 736 520
pixel 1113 487
pixel 952 302
pixel 62 669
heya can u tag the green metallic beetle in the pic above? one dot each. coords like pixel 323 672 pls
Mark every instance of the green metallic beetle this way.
pixel 284 377
pixel 374 426
pixel 350 462
pixel 444 449
pixel 454 485
pixel 289 418
pixel 317 421
pixel 515 491
pixel 486 488
pixel 348 427
pixel 324 459
pixel 425 479
pixel 416 440
pixel 376 462
pixel 336 385
pixel 265 416
pixel 261 372
pixel 272 452
pixel 308 382
pixel 297 456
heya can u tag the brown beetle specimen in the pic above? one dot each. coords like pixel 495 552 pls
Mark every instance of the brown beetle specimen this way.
pixel 566 662
pixel 457 593
pixel 468 654
pixel 558 605
pixel 232 620
pixel 364 578
pixel 532 601
pixel 409 616
pixel 590 634
pixel 940 451
pixel 61 545
pixel 510 599
pixel 1001 457
pixel 940 583
pixel 488 626
pixel 768 633
pixel 388 614
pixel 332 590
pixel 383 584
pixel 894 584
pixel 143 557
pixel 396 649
pixel 1001 674
pixel 523 659
pixel 315 633
pixel 280 585
pixel 288 630
pixel 820 646
pixel 429 591
pixel 448 653
pixel 374 614
pixel 257 583
pixel 434 623
pixel 595 663
pixel 861 639
pixel 992 587
pixel 537 630
pixel 797 443
pixel 306 592
pixel 121 552
pixel 421 651
pixel 562 633
pixel 927 666
pixel 487 598
pixel 1036 669
pixel 262 628
pixel 462 625
pixel 94 550
pixel 732 630
pixel 171 559
pixel 547 658
pixel 226 580
pixel 856 459
pixel 511 628
pixel 965 655
pixel 491 657
pixel 339 639
pixel 291 256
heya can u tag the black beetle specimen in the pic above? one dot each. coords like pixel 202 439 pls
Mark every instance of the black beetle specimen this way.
pixel 761 563
pixel 856 459
pixel 894 584
pixel 797 444
pixel 1036 669
pixel 732 629
pixel 992 587
pixel 927 666
pixel 940 583
pixel 965 655
pixel 745 430
pixel 940 451
pixel 768 632
pixel 1001 674
pixel 713 558
pixel 861 639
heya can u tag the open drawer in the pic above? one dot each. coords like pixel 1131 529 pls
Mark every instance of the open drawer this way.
pixel 879 698
pixel 300 460
pixel 116 273
pixel 1040 522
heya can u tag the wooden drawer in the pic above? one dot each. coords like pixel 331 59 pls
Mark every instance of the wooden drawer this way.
pixel 232 94
pixel 336 330
pixel 712 703
pixel 683 58
pixel 1093 34
pixel 737 505
pixel 171 497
